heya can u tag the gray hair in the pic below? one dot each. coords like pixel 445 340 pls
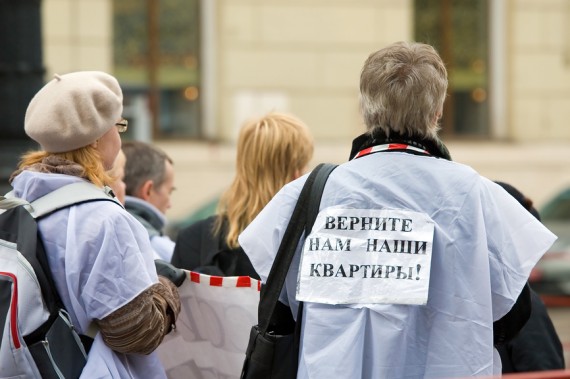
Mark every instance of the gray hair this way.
pixel 144 162
pixel 402 89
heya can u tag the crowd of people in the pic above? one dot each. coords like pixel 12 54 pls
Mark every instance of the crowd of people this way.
pixel 484 237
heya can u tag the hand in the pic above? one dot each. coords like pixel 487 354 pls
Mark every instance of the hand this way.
pixel 174 274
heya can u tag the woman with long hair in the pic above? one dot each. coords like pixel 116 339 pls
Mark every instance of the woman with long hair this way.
pixel 271 151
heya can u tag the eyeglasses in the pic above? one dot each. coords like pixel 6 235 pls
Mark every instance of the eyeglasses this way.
pixel 122 125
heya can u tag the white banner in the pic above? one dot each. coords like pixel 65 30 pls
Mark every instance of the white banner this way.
pixel 213 328
pixel 365 256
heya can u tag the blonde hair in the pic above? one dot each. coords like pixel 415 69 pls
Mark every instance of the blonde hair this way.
pixel 87 157
pixel 271 151
pixel 402 89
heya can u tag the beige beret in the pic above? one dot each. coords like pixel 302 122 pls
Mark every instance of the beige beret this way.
pixel 74 110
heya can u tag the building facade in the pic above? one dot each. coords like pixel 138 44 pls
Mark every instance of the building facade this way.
pixel 509 80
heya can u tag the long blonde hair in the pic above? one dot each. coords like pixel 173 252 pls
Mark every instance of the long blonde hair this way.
pixel 87 157
pixel 271 151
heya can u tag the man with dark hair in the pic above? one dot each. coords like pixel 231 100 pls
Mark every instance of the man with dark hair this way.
pixel 149 179
pixel 412 257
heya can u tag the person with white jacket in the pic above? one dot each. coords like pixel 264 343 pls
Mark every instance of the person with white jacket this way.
pixel 413 257
pixel 100 256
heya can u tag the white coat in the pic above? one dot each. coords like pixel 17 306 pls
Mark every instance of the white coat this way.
pixel 484 247
pixel 101 259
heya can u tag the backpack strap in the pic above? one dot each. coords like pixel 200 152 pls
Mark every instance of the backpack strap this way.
pixel 302 219
pixel 68 195
pixel 71 194
pixel 8 202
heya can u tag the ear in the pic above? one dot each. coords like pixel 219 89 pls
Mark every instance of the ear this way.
pixel 145 190
pixel 438 115
pixel 297 174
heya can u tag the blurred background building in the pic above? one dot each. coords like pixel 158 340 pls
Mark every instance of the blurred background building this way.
pixel 194 70
pixel 215 62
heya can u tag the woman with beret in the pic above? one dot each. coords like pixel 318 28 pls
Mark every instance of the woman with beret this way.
pixel 99 255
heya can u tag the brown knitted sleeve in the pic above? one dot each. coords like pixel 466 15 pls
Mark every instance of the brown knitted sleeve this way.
pixel 140 325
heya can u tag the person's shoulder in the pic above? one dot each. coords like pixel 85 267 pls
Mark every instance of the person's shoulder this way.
pixel 290 190
pixel 457 177
pixel 449 168
pixel 134 204
pixel 206 222
pixel 106 218
pixel 104 211
pixel 200 224
pixel 191 241
pixel 108 207
pixel 459 167
pixel 138 206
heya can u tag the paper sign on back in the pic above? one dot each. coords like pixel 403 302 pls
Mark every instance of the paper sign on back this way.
pixel 367 256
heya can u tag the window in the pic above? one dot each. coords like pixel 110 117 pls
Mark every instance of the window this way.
pixel 156 52
pixel 458 29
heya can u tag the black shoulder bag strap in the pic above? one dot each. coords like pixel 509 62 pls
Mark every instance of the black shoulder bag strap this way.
pixel 302 220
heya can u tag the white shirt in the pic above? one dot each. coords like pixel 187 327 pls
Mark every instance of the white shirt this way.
pixel 101 259
pixel 485 244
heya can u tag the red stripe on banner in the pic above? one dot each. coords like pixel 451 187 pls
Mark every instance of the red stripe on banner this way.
pixel 243 281
pixel 397 146
pixel 220 281
pixel 195 277
pixel 363 152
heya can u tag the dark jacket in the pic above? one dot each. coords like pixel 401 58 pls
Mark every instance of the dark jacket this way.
pixel 199 249
pixel 537 346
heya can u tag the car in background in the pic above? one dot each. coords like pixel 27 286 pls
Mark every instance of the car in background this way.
pixel 551 276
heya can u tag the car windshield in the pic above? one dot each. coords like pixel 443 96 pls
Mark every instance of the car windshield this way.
pixel 557 209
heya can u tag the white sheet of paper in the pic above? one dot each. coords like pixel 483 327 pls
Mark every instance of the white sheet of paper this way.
pixel 365 256
pixel 213 328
